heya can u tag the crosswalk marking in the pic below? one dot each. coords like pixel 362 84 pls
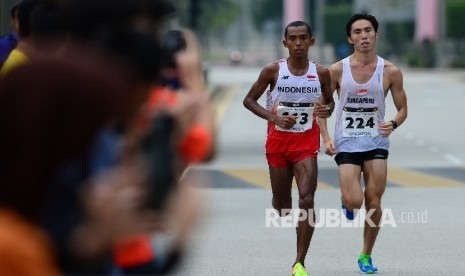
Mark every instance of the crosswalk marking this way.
pixel 261 178
pixel 221 103
pixel 396 177
pixel 409 178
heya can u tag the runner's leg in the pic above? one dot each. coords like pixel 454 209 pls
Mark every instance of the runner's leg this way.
pixel 375 176
pixel 281 186
pixel 306 175
pixel 351 190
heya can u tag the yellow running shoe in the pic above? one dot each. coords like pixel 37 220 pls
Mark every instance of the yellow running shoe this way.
pixel 299 270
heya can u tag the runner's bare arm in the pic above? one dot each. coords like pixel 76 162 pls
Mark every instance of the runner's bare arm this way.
pixel 268 77
pixel 326 100
pixel 330 149
pixel 398 94
pixel 335 71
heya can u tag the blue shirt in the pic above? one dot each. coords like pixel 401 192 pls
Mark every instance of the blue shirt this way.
pixel 7 44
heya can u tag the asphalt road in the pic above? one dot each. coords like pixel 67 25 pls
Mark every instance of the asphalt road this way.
pixel 424 201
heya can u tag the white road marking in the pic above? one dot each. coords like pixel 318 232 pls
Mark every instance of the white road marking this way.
pixel 453 159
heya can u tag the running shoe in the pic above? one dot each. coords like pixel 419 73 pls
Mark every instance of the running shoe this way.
pixel 299 270
pixel 350 215
pixel 366 265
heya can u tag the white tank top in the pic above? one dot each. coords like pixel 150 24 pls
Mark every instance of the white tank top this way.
pixel 295 95
pixel 360 111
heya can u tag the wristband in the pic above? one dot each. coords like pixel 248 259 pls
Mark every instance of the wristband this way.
pixel 394 124
pixel 329 110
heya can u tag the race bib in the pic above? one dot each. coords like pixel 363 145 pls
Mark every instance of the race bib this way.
pixel 304 111
pixel 359 122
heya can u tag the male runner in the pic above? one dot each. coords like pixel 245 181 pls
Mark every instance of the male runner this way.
pixel 362 81
pixel 299 90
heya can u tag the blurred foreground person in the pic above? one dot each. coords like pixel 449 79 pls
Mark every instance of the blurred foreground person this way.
pixel 174 129
pixel 43 131
pixel 172 137
pixel 46 153
pixel 193 142
pixel 119 184
pixel 21 53
pixel 9 41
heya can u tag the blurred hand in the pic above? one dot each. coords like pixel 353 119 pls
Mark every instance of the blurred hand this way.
pixel 189 64
pixel 114 208
pixel 285 122
pixel 330 149
pixel 320 110
pixel 186 112
pixel 385 129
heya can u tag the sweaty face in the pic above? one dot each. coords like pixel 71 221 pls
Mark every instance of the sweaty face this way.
pixel 363 36
pixel 298 41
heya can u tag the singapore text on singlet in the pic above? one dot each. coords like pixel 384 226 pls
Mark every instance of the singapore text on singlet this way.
pixel 360 110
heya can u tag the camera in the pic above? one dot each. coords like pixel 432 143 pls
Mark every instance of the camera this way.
pixel 173 42
pixel 160 151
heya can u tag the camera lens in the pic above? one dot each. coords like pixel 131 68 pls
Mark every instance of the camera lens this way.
pixel 174 41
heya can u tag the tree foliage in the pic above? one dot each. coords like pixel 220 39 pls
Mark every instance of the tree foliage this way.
pixel 455 20
pixel 266 10
pixel 210 16
pixel 336 18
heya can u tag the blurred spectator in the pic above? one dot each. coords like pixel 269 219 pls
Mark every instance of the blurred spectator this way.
pixel 9 41
pixel 53 125
pixel 194 142
pixel 24 48
pixel 105 192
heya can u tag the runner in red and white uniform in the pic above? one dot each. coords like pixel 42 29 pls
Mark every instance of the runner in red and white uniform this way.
pixel 299 90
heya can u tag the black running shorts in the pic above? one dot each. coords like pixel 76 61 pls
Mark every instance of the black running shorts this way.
pixel 357 158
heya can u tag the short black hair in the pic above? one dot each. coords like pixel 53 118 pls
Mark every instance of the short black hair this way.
pixel 25 10
pixel 138 51
pixel 13 11
pixel 360 16
pixel 298 24
pixel 45 20
pixel 158 9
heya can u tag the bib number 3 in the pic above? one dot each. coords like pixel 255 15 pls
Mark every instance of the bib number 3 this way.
pixel 304 112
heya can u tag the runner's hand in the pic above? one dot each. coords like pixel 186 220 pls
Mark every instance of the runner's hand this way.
pixel 286 122
pixel 385 129
pixel 320 110
pixel 330 149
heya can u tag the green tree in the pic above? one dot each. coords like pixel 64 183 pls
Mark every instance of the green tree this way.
pixel 266 10
pixel 455 19
pixel 336 18
pixel 211 16
pixel 398 34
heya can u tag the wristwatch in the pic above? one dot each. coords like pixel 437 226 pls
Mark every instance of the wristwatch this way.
pixel 394 124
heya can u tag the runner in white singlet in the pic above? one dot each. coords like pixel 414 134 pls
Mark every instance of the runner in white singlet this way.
pixel 362 81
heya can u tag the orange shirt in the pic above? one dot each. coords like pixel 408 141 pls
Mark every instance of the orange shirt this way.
pixel 196 143
pixel 24 249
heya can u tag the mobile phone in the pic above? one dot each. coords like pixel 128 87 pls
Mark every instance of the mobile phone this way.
pixel 160 151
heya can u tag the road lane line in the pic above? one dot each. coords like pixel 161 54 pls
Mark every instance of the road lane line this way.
pixel 408 178
pixel 224 102
pixel 261 178
pixel 453 159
